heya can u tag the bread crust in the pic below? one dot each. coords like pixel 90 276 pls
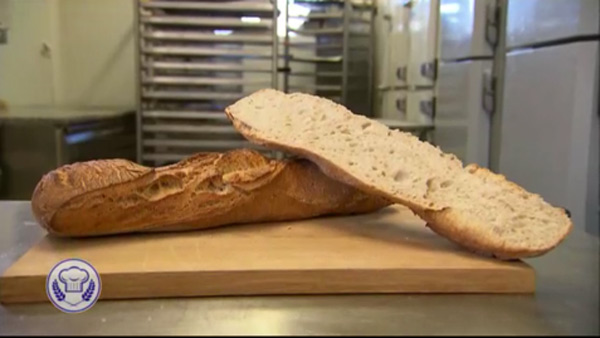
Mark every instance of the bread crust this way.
pixel 207 190
pixel 445 223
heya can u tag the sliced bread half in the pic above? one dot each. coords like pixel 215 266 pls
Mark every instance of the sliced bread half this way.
pixel 471 206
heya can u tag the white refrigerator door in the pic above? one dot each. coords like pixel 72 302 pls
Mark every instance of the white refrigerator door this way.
pixel 399 43
pixel 463 29
pixel 382 26
pixel 394 105
pixel 462 117
pixel 391 54
pixel 535 21
pixel 549 138
pixel 420 106
pixel 423 42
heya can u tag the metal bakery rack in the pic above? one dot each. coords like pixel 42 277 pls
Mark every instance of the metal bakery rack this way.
pixel 194 59
pixel 329 48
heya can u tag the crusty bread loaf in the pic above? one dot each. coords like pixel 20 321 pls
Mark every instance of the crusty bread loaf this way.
pixel 206 190
pixel 469 205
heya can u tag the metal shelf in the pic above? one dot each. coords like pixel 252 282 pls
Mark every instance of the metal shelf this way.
pixel 230 67
pixel 361 20
pixel 192 36
pixel 252 22
pixel 316 87
pixel 315 16
pixel 197 81
pixel 204 144
pixel 191 95
pixel 195 51
pixel 360 34
pixel 230 6
pixel 183 128
pixel 323 59
pixel 317 31
pixel 187 115
pixel 316 46
pixel 320 74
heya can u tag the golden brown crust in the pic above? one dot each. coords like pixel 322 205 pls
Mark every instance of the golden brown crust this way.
pixel 59 186
pixel 207 190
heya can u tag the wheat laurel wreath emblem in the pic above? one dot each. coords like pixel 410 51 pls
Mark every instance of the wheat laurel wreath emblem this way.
pixel 60 296
pixel 87 295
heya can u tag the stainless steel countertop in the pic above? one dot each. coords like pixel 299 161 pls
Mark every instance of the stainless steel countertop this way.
pixel 60 114
pixel 566 303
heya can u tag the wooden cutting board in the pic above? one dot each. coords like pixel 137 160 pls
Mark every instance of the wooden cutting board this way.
pixel 390 251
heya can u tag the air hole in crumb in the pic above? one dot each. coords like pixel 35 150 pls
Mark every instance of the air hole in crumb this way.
pixel 374 168
pixel 371 149
pixel 351 163
pixel 429 183
pixel 383 173
pixel 391 151
pixel 365 125
pixel 446 184
pixel 353 144
pixel 399 175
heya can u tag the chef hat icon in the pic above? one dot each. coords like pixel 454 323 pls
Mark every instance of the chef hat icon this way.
pixel 73 278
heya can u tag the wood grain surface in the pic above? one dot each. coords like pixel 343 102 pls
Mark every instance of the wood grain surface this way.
pixel 390 251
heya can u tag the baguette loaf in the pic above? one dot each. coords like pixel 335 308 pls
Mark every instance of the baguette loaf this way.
pixel 471 206
pixel 206 190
